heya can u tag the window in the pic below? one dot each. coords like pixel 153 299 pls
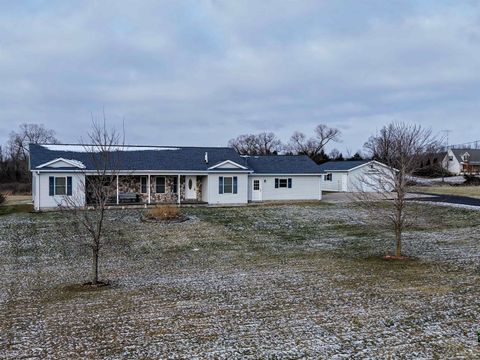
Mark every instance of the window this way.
pixel 227 185
pixel 175 185
pixel 283 183
pixel 256 184
pixel 328 177
pixel 450 158
pixel 160 185
pixel 60 185
pixel 143 184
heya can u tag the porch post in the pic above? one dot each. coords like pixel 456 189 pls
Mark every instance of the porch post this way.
pixel 148 191
pixel 178 189
pixel 118 196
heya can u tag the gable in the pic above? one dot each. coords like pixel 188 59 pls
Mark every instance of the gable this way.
pixel 227 165
pixel 63 163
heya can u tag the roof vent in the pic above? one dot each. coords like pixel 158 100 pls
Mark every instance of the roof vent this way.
pixel 206 157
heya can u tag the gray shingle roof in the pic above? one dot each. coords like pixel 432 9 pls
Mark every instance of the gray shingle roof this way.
pixel 341 165
pixel 138 157
pixel 169 158
pixel 282 164
pixel 474 155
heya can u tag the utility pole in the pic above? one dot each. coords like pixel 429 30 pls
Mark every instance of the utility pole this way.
pixel 447 134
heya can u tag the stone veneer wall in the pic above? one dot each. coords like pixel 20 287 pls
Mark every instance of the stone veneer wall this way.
pixel 199 188
pixel 132 184
pixel 129 184
pixel 168 196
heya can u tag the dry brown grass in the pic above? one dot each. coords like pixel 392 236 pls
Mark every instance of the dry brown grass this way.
pixel 163 212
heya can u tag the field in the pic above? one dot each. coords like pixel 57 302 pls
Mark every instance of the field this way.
pixel 470 191
pixel 280 281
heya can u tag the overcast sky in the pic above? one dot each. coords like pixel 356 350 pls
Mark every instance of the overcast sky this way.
pixel 200 72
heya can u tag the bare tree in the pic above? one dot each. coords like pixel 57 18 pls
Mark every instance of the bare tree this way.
pixel 336 155
pixel 15 163
pixel 265 143
pixel 400 148
pixel 30 134
pixel 99 184
pixel 314 146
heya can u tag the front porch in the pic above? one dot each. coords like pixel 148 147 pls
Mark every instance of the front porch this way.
pixel 152 189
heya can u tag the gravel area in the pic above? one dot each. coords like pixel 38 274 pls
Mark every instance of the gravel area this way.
pixel 278 281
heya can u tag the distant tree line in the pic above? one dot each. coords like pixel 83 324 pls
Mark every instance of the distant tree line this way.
pixel 14 154
pixel 267 143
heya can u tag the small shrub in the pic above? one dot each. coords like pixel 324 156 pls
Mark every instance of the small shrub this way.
pixel 471 180
pixel 432 171
pixel 163 212
pixel 3 198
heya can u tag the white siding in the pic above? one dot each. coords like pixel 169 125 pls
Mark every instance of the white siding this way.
pixel 303 188
pixel 215 198
pixel 338 183
pixel 45 201
pixel 452 166
pixel 368 179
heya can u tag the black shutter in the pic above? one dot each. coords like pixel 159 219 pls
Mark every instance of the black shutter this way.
pixel 220 185
pixel 51 186
pixel 290 183
pixel 69 185
pixel 276 183
pixel 235 184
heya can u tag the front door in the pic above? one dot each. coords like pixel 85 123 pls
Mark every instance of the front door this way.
pixel 256 190
pixel 190 187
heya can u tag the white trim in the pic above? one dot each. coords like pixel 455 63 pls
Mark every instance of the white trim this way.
pixel 149 187
pixel 227 162
pixel 74 163
pixel 358 167
pixel 287 175
pixel 118 193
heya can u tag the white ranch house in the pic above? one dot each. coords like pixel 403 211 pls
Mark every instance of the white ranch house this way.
pixel 155 174
pixel 355 176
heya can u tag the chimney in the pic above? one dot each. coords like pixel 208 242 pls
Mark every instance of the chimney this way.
pixel 206 157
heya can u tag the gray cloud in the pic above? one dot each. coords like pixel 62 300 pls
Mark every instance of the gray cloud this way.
pixel 201 72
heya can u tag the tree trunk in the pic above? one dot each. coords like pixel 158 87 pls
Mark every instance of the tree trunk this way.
pixel 94 265
pixel 398 238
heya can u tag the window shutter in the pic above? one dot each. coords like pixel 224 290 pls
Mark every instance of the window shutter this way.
pixel 289 183
pixel 276 183
pixel 69 185
pixel 51 186
pixel 235 182
pixel 220 185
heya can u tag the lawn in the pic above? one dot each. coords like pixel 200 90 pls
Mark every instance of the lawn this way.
pixel 280 281
pixel 471 191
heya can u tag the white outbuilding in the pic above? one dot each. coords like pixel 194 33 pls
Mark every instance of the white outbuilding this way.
pixel 356 176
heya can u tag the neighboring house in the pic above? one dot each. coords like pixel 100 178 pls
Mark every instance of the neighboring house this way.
pixel 355 176
pixel 462 161
pixel 156 174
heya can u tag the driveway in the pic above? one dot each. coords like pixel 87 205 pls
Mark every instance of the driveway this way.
pixel 340 197
pixel 448 199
